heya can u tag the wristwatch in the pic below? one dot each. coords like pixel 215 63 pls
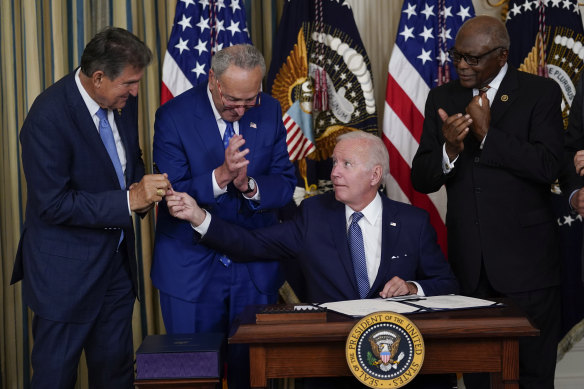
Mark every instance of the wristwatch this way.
pixel 251 185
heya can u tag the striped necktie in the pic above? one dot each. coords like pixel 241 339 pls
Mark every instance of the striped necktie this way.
pixel 484 90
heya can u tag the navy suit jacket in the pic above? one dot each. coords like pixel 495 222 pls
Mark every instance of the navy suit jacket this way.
pixel 188 146
pixel 75 208
pixel 317 238
pixel 499 204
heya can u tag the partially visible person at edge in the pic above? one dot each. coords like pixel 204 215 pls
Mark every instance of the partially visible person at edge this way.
pixel 76 256
pixel 571 180
pixel 224 143
pixel 494 139
pixel 400 252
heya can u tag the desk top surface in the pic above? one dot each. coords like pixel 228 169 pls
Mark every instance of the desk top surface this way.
pixel 505 321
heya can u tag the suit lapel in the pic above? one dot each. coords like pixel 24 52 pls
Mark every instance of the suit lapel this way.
pixel 84 122
pixel 390 230
pixel 206 127
pixel 248 128
pixel 338 226
pixel 123 130
pixel 505 96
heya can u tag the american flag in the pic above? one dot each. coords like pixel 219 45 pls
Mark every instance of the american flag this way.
pixel 418 63
pixel 201 28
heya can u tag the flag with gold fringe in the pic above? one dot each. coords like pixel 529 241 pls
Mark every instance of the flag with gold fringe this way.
pixel 322 77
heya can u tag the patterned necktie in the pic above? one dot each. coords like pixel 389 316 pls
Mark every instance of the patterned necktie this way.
pixel 484 90
pixel 358 254
pixel 229 133
pixel 107 137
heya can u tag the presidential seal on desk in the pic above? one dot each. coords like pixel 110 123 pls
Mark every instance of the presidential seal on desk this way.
pixel 385 350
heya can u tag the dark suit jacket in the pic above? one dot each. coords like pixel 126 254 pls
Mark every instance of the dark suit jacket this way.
pixel 75 206
pixel 317 238
pixel 188 146
pixel 570 181
pixel 499 205
pixel 573 142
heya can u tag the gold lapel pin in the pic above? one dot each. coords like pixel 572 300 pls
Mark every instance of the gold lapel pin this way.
pixel 504 98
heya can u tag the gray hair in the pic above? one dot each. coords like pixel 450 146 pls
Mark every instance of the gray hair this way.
pixel 111 50
pixel 243 56
pixel 375 150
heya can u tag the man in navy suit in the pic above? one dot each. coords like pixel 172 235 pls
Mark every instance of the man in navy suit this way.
pixel 401 253
pixel 224 143
pixel 76 254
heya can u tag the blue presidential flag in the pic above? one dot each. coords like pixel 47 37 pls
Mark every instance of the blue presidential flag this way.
pixel 201 28
pixel 322 77
pixel 546 39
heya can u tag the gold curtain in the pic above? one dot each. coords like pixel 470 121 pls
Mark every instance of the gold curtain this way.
pixel 41 41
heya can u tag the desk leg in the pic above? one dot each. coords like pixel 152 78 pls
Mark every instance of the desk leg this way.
pixel 257 366
pixel 509 376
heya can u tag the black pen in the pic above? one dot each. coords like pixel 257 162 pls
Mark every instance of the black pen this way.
pixel 155 168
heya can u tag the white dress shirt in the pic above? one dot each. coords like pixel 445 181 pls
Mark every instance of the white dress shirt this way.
pixel 217 191
pixel 93 107
pixel 494 85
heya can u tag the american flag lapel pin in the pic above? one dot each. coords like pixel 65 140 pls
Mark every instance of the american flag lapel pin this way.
pixel 253 125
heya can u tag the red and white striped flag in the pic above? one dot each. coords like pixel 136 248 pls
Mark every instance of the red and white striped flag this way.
pixel 201 28
pixel 418 63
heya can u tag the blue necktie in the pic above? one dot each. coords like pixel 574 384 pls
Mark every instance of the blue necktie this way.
pixel 107 137
pixel 358 254
pixel 229 133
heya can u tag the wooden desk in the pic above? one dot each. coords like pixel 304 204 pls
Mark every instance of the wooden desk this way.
pixel 477 340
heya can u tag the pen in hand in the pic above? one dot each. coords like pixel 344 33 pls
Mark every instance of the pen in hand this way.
pixel 156 170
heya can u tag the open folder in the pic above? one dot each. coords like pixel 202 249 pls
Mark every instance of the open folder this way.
pixel 407 304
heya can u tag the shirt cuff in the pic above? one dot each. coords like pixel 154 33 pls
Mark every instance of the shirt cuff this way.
pixel 204 226
pixel 128 201
pixel 420 289
pixel 216 190
pixel 447 166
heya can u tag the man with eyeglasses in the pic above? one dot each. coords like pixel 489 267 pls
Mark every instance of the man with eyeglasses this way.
pixel 494 139
pixel 224 144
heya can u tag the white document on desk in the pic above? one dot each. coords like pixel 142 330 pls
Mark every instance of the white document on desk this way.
pixel 407 304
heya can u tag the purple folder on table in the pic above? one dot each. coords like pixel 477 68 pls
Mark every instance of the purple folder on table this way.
pixel 179 356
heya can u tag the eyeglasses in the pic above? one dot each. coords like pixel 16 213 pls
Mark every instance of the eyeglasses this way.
pixel 247 104
pixel 472 60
